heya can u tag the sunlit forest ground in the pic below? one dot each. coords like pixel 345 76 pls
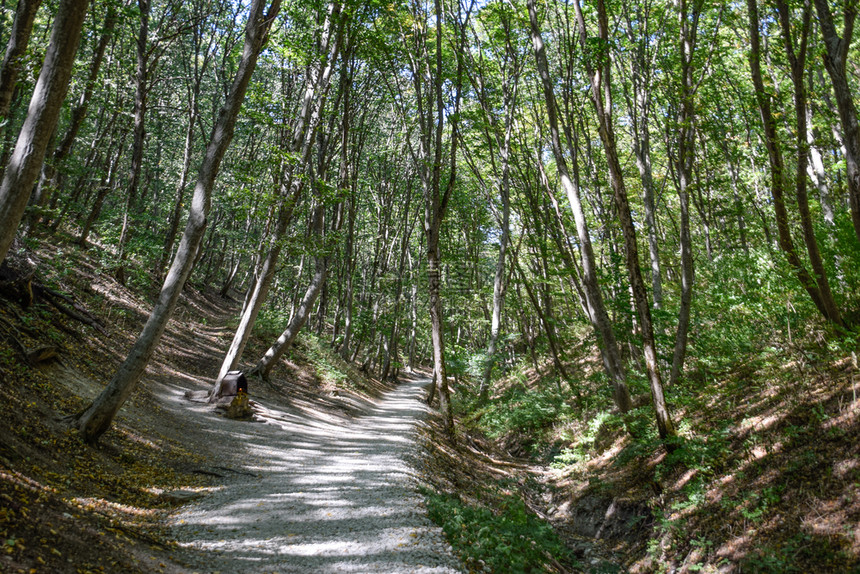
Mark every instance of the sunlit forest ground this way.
pixel 546 475
pixel 765 475
pixel 68 507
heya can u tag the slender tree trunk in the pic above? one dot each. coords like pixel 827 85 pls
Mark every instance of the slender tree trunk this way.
pixel 499 277
pixel 797 62
pixel 235 262
pixel 175 216
pixel 413 330
pixel 835 58
pixel 818 174
pixel 19 38
pixel 594 299
pixel 41 121
pixel 546 322
pixel 96 419
pixel 686 156
pixel 104 189
pixel 600 91
pixel 349 271
pixel 300 316
pixel 316 90
pixel 643 162
pixel 777 166
pixel 195 72
pixel 640 111
pixel 140 102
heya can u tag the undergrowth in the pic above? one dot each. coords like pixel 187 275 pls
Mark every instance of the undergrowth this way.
pixel 507 540
pixel 763 476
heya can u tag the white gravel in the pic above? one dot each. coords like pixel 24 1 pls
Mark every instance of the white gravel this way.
pixel 311 495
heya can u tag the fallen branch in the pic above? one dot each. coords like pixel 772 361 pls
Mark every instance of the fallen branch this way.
pixel 10 333
pixel 32 356
pixel 78 314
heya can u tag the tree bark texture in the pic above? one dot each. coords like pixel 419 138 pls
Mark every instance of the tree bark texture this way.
pixel 41 121
pixel 96 419
pixel 594 299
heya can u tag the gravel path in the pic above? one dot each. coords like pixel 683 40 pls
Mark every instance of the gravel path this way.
pixel 312 495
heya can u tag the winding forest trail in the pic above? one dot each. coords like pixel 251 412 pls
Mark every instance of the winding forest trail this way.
pixel 309 493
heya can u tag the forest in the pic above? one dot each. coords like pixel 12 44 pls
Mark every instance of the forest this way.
pixel 621 238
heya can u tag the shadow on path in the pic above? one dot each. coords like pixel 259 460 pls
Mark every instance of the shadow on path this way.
pixel 317 496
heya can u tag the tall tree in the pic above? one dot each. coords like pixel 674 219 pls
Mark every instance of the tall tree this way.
pixel 498 135
pixel 300 315
pixel 835 60
pixel 647 42
pixel 795 50
pixel 778 171
pixel 292 181
pixel 96 419
pixel 41 120
pixel 594 299
pixel 598 66
pixel 48 180
pixel 689 14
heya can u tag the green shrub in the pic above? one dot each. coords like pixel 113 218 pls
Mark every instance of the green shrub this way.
pixel 511 540
pixel 521 411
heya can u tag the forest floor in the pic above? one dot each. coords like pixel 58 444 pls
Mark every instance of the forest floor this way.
pixel 766 480
pixel 764 477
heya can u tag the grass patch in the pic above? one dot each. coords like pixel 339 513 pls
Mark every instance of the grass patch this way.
pixel 509 539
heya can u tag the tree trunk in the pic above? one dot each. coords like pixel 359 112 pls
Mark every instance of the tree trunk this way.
pixel 19 37
pixel 777 166
pixel 835 58
pixel 175 216
pixel 594 299
pixel 104 189
pixel 41 121
pixel 600 91
pixel 642 37
pixel 546 322
pixel 797 62
pixel 686 155
pixel 413 315
pixel 140 101
pixel 48 181
pixel 349 271
pixel 96 419
pixel 316 90
pixel 300 316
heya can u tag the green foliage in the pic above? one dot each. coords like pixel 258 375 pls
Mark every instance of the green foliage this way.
pixel 271 321
pixel 784 558
pixel 510 540
pixel 703 454
pixel 330 368
pixel 523 410
pixel 742 299
pixel 583 444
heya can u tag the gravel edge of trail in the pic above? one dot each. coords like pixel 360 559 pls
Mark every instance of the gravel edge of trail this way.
pixel 310 493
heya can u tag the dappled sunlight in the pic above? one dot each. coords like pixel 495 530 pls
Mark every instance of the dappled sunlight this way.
pixel 318 496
